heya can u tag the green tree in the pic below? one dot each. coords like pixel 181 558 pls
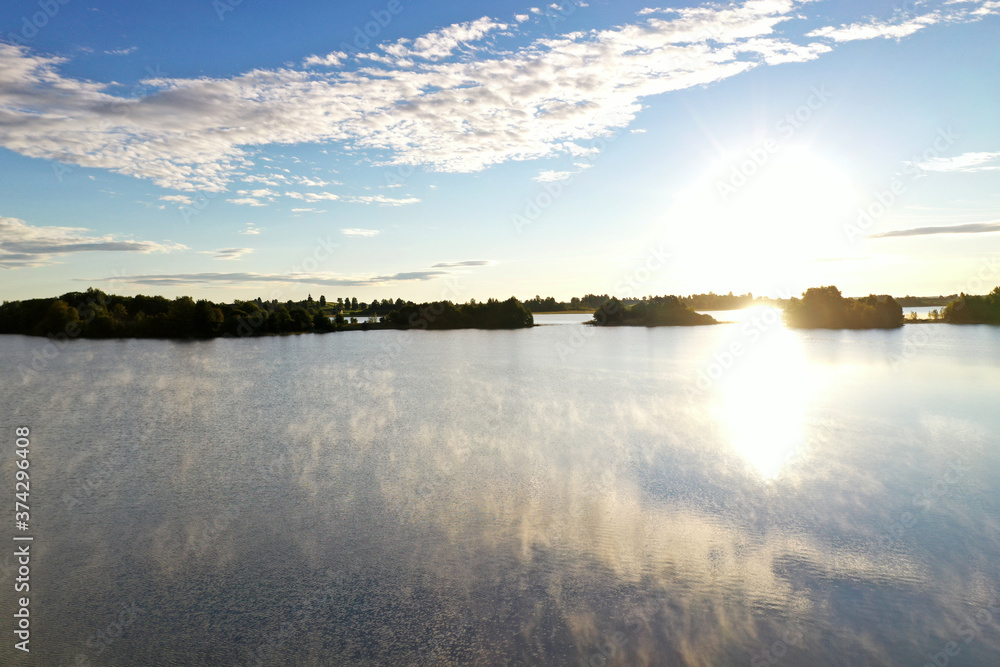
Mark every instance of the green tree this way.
pixel 301 320
pixel 59 318
pixel 322 323
pixel 208 319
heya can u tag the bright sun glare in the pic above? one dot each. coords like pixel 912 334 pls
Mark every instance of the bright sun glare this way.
pixel 763 401
pixel 766 230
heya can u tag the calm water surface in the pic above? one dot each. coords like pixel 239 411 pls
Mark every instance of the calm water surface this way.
pixel 560 495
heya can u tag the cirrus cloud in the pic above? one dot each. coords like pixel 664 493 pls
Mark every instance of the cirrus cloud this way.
pixel 449 101
pixel 227 253
pixel 23 245
pixel 320 279
pixel 971 228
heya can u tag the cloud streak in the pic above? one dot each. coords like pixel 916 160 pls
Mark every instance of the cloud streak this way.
pixel 25 246
pixel 227 253
pixel 455 265
pixel 195 279
pixel 972 228
pixel 966 162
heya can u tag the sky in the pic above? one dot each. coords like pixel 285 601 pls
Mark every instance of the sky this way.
pixel 234 149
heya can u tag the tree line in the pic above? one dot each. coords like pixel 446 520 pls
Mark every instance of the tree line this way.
pixel 96 314
pixel 656 311
pixel 709 301
pixel 550 305
pixel 970 309
pixel 490 314
pixel 826 308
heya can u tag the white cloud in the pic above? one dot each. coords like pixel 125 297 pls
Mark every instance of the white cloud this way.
pixel 966 162
pixel 250 229
pixel 456 265
pixel 25 245
pixel 227 253
pixel 382 200
pixel 313 196
pixel 180 199
pixel 453 114
pixel 328 280
pixel 246 201
pixel 521 18
pixel 638 130
pixel 972 228
pixel 440 44
pixel 334 59
pixel 874 28
pixel 273 180
pixel 360 232
pixel 549 176
pixel 313 182
pixel 122 52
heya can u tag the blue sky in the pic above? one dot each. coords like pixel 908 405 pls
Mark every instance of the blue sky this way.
pixel 461 150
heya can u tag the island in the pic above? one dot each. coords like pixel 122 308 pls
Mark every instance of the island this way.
pixel 490 314
pixel 95 314
pixel 826 308
pixel 591 302
pixel 657 311
pixel 971 309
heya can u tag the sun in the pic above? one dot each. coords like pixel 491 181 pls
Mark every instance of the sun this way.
pixel 748 222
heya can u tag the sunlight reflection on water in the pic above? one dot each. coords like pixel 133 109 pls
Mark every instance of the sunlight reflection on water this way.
pixel 474 497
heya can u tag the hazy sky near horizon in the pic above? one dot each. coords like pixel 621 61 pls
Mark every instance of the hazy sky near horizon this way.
pixel 402 148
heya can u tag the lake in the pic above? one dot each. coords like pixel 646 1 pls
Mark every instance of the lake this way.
pixel 739 494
